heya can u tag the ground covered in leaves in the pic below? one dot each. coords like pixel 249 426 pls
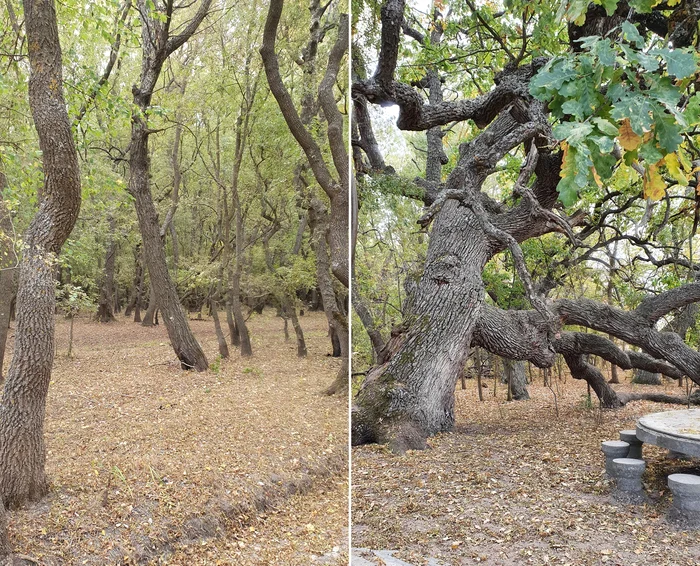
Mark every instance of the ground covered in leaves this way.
pixel 244 464
pixel 517 484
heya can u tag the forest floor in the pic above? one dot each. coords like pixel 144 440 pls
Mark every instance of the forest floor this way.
pixel 516 484
pixel 243 464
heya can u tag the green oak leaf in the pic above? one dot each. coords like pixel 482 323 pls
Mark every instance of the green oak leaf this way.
pixel 631 34
pixel 574 133
pixel 679 63
pixel 605 126
pixel 667 132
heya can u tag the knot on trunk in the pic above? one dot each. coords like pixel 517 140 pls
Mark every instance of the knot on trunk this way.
pixel 444 270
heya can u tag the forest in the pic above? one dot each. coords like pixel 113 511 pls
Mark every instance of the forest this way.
pixel 525 275
pixel 173 281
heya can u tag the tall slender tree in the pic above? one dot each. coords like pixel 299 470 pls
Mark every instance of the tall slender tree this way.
pixel 334 180
pixel 158 44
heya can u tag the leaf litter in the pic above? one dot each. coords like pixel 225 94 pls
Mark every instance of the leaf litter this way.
pixel 243 464
pixel 515 484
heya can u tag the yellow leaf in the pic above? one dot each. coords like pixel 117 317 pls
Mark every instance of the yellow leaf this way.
pixel 627 138
pixel 566 167
pixel 685 162
pixel 597 178
pixel 654 185
pixel 674 169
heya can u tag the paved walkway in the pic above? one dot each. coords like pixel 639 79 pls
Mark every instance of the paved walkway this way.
pixel 367 557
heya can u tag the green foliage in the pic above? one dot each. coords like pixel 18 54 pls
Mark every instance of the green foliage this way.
pixel 617 90
pixel 72 300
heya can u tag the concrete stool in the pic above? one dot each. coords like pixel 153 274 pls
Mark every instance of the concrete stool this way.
pixel 628 475
pixel 630 436
pixel 686 498
pixel 614 449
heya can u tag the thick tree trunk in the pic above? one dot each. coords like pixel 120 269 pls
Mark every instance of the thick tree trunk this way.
pixel 412 396
pixel 514 373
pixel 105 311
pixel 22 409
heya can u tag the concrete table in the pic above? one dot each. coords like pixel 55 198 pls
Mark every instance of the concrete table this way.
pixel 679 431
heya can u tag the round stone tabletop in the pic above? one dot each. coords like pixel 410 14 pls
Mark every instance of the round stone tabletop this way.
pixel 675 430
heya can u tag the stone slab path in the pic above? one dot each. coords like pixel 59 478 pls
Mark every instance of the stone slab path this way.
pixel 368 557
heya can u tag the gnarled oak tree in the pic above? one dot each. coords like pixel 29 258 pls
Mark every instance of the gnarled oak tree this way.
pixel 622 96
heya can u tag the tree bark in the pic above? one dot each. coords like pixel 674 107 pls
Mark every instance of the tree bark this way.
pixel 412 396
pixel 22 409
pixel 581 369
pixel 235 281
pixel 232 328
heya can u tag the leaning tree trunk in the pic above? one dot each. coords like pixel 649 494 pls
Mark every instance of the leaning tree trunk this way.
pixel 157 46
pixel 412 395
pixel 221 339
pixel 105 312
pixel 23 405
pixel 186 347
pixel 290 311
pixel 514 374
